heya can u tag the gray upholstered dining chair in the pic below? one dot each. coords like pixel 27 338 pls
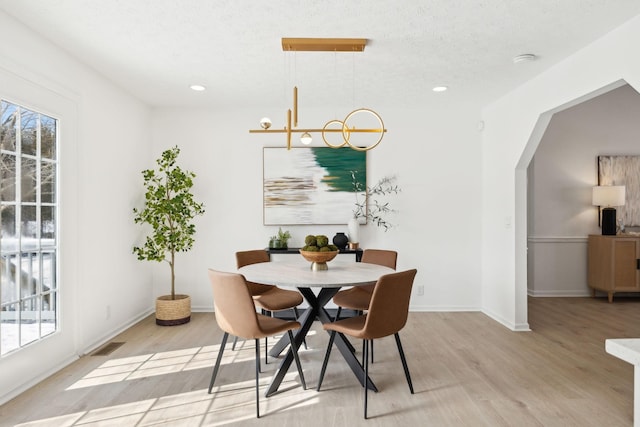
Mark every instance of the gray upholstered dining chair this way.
pixel 387 315
pixel 235 314
pixel 359 297
pixel 269 298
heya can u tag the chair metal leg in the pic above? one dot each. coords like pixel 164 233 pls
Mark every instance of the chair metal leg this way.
pixel 326 359
pixel 404 362
pixel 297 359
pixel 370 350
pixel 366 375
pixel 235 341
pixel 258 351
pixel 218 359
pixel 266 349
pixel 257 378
pixel 335 319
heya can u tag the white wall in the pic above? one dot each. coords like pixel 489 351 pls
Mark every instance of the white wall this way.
pixel 461 220
pixel 434 152
pixel 561 176
pixel 514 126
pixel 104 143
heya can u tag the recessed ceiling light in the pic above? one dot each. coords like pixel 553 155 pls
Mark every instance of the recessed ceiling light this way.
pixel 440 88
pixel 526 57
pixel 198 88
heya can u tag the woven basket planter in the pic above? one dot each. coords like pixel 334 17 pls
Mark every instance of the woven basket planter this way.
pixel 173 312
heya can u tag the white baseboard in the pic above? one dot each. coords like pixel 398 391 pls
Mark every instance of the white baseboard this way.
pixel 114 332
pixel 437 309
pixel 557 239
pixel 26 386
pixel 558 293
pixel 516 327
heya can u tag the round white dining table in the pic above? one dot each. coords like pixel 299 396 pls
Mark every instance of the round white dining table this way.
pixel 298 274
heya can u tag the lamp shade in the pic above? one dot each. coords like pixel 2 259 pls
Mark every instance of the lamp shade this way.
pixel 608 195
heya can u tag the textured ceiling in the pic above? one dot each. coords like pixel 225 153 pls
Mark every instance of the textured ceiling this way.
pixel 156 48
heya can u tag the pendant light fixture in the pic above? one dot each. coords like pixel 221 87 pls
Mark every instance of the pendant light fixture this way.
pixel 332 126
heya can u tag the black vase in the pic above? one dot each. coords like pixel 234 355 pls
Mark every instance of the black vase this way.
pixel 340 240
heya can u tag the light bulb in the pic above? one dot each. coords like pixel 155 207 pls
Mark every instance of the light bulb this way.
pixel 265 122
pixel 306 138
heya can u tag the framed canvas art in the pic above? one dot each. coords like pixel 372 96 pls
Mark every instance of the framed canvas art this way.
pixel 311 185
pixel 623 170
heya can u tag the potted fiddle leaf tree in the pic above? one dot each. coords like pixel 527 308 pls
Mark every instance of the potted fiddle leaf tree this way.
pixel 169 210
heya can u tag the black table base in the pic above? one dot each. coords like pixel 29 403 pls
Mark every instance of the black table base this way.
pixel 315 311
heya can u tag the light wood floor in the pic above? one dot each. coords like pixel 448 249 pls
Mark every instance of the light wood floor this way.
pixel 467 370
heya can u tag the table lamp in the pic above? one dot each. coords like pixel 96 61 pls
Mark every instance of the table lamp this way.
pixel 608 196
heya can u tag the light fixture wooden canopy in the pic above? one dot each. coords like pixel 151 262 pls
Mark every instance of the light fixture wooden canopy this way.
pixel 323 45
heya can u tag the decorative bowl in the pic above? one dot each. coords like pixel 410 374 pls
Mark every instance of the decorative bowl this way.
pixel 319 259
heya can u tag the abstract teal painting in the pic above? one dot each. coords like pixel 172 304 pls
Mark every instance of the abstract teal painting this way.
pixel 311 185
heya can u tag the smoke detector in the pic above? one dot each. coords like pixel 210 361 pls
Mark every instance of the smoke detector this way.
pixel 526 57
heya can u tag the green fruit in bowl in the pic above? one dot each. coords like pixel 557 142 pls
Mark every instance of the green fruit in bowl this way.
pixel 310 240
pixel 322 241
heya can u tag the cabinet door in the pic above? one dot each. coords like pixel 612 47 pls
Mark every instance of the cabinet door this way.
pixel 625 269
pixel 600 263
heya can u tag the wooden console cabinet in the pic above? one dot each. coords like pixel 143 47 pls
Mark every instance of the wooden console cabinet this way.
pixel 613 264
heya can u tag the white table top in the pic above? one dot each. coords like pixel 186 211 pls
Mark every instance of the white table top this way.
pixel 627 349
pixel 298 273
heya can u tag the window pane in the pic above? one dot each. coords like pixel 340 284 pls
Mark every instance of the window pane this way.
pixel 9 328
pixel 48 137
pixel 48 279
pixel 29 132
pixel 7 177
pixel 48 182
pixel 8 126
pixel 29 227
pixel 49 314
pixel 29 180
pixel 29 274
pixel 28 197
pixel 48 224
pixel 8 228
pixel 29 328
pixel 8 282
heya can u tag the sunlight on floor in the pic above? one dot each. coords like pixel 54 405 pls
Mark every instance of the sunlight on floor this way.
pixel 168 362
pixel 147 365
pixel 196 407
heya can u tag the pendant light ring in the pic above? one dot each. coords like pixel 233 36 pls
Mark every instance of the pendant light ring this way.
pixel 345 138
pixel 345 126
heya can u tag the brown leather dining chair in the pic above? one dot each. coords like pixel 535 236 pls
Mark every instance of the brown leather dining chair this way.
pixel 236 314
pixel 269 298
pixel 359 297
pixel 387 315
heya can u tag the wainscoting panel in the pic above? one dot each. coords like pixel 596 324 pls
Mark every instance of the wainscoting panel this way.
pixel 557 267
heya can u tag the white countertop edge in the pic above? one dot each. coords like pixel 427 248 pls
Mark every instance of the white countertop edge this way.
pixel 627 349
